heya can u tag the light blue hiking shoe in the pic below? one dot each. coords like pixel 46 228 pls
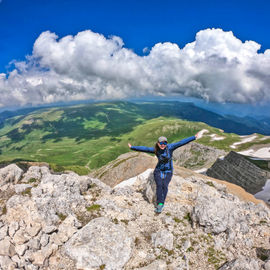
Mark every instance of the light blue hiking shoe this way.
pixel 159 208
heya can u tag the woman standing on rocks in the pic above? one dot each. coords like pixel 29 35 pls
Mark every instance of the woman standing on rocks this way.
pixel 164 168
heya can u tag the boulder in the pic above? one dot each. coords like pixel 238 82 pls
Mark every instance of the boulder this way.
pixel 35 173
pixel 42 255
pixel 10 174
pixel 215 214
pixel 163 238
pixel 100 242
pixel 66 229
pixel 57 196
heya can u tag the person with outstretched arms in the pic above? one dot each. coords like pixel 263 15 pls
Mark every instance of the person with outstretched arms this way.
pixel 164 168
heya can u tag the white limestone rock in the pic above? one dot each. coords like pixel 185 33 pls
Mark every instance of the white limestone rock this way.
pixel 7 248
pixel 19 188
pixel 39 257
pixel 242 264
pixel 7 264
pixel 127 191
pixel 3 232
pixel 107 204
pixel 150 190
pixel 13 228
pixel 163 238
pixel 49 229
pixel 57 195
pixel 68 227
pixel 40 237
pixel 10 174
pixel 100 242
pixel 34 173
pixel 16 259
pixel 267 265
pixel 21 237
pixel 33 228
pixel 34 244
pixel 20 249
pixel 44 240
pixel 156 265
pixel 101 185
pixel 30 266
pixel 215 214
pixel 85 183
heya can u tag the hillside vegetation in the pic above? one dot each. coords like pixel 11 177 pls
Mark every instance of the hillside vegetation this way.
pixel 86 137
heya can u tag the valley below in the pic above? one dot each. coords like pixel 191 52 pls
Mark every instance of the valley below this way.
pixel 83 138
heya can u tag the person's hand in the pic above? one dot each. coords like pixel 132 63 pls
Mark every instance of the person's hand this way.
pixel 129 145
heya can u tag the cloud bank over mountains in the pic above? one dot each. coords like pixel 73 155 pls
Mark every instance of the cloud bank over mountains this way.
pixel 216 67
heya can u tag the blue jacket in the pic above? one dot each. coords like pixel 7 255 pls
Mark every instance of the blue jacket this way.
pixel 164 156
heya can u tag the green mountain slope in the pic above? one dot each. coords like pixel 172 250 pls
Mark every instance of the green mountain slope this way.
pixel 85 137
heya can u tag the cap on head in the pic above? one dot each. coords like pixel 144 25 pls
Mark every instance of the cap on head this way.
pixel 162 139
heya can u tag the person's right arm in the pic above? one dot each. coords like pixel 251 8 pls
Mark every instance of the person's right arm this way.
pixel 142 148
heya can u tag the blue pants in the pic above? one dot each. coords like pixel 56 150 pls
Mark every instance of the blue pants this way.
pixel 162 180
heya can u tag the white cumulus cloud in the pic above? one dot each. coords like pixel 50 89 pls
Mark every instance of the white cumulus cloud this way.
pixel 217 66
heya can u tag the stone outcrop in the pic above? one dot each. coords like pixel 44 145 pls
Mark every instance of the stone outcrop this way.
pixel 10 174
pixel 72 222
pixel 238 170
pixel 100 242
pixel 196 156
pixel 124 167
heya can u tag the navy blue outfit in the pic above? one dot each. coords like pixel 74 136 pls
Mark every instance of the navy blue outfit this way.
pixel 164 168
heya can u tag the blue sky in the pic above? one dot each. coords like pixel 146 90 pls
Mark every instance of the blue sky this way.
pixel 139 23
pixel 134 49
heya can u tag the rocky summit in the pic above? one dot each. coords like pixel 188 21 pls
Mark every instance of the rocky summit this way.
pixel 67 221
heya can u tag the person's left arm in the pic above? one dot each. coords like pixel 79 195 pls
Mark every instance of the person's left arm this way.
pixel 173 146
pixel 198 135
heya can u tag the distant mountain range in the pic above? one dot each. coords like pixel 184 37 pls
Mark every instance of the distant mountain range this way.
pixel 183 110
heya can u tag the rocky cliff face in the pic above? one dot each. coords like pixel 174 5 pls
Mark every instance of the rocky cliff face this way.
pixel 77 222
pixel 238 170
pixel 196 156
